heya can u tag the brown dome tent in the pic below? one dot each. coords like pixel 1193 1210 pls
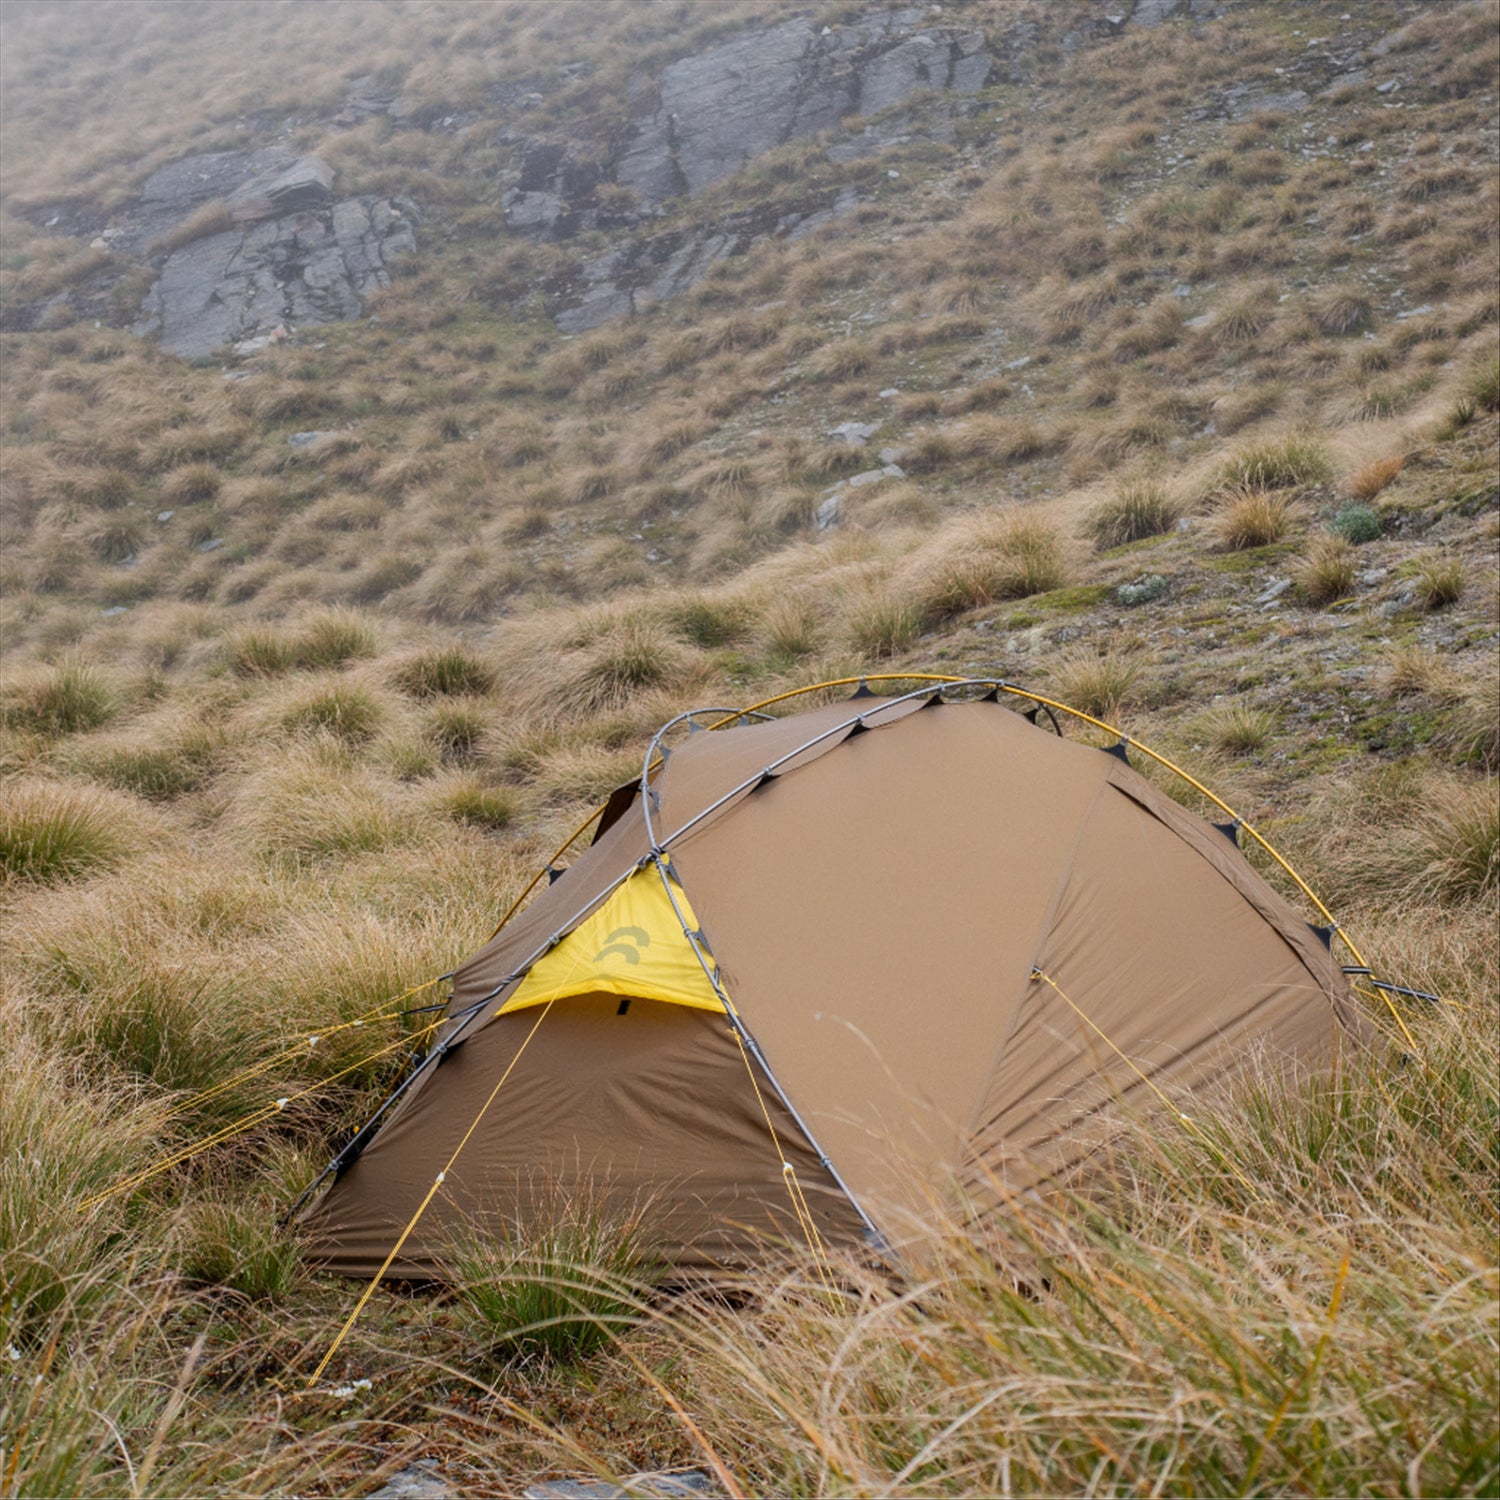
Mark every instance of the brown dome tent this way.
pixel 815 968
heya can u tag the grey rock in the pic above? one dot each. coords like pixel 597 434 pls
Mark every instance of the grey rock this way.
pixel 417 1482
pixel 165 515
pixel 872 476
pixel 307 439
pixel 855 434
pixel 1242 103
pixel 1151 13
pixel 306 183
pixel 661 1486
pixel 313 266
pixel 723 107
pixel 1277 588
pixel 891 455
pixel 1372 576
pixel 171 193
pixel 826 517
pixel 211 545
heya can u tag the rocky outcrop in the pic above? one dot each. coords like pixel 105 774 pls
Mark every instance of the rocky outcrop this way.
pixel 313 266
pixel 287 253
pixel 649 269
pixel 728 105
pixel 710 115
pixel 715 112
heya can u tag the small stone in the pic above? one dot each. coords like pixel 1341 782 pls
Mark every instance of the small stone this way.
pixel 306 439
pixel 1182 290
pixel 1372 576
pixel 827 514
pixel 1019 364
pixel 890 456
pixel 890 391
pixel 1278 587
pixel 113 610
pixel 855 434
pixel 211 545
pixel 165 515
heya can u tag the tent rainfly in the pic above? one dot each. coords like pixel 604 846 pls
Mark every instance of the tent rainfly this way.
pixel 814 968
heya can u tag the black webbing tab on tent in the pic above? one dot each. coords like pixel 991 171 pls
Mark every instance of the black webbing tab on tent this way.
pixel 1231 831
pixel 862 691
pixel 857 727
pixel 1118 749
pixel 1325 935
pixel 554 874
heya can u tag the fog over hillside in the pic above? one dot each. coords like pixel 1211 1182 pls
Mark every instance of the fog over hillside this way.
pixel 408 408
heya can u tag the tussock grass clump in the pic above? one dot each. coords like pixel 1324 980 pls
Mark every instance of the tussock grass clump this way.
pixel 190 484
pixel 69 698
pixel 1411 671
pixel 1453 851
pixel 328 638
pixel 1238 728
pixel 444 671
pixel 1342 310
pixel 1252 518
pixel 1325 572
pixel 329 706
pixel 633 654
pixel 978 562
pixel 881 622
pixel 707 620
pixel 1287 463
pixel 238 1247
pixel 791 628
pixel 1473 735
pixel 1439 580
pixel 259 651
pixel 208 218
pixel 1370 479
pixel 60 1144
pixel 565 1283
pixel 54 831
pixel 468 800
pixel 1135 511
pixel 316 801
pixel 457 728
pixel 1098 683
pixel 161 758
pixel 333 637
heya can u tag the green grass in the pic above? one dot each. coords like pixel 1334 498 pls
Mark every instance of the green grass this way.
pixel 562 1285
pixel 69 698
pixel 1292 462
pixel 52 832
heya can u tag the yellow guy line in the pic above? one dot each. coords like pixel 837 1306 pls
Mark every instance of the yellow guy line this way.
pixel 1186 1121
pixel 307 1043
pixel 437 1181
pixel 246 1122
pixel 789 1177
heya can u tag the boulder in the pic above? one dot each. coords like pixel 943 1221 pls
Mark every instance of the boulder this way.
pixel 306 183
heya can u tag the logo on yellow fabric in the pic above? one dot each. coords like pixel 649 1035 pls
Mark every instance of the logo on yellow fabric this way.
pixel 627 942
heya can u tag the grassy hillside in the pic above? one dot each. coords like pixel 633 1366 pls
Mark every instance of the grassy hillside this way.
pixel 1197 406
